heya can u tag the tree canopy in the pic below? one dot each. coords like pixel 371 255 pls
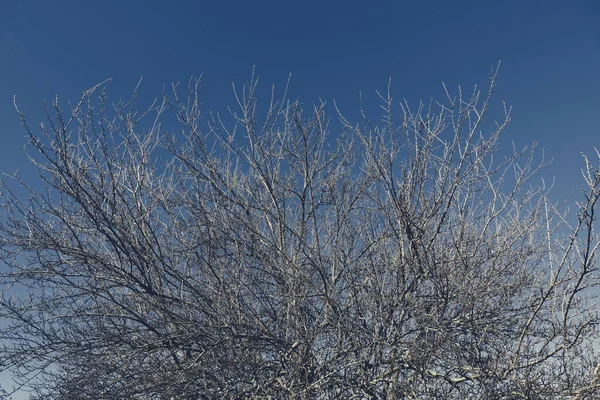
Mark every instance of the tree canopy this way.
pixel 285 253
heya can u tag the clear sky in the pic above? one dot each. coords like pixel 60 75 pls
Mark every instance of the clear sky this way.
pixel 550 52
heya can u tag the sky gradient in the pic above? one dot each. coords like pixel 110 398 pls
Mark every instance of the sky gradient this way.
pixel 550 52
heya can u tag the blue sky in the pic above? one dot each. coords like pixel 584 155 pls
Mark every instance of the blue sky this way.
pixel 550 54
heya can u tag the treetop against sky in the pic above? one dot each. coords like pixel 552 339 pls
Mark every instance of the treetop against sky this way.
pixel 550 54
pixel 337 52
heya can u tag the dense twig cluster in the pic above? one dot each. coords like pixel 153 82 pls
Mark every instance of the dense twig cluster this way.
pixel 267 257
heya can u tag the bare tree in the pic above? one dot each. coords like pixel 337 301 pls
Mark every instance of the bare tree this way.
pixel 285 255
